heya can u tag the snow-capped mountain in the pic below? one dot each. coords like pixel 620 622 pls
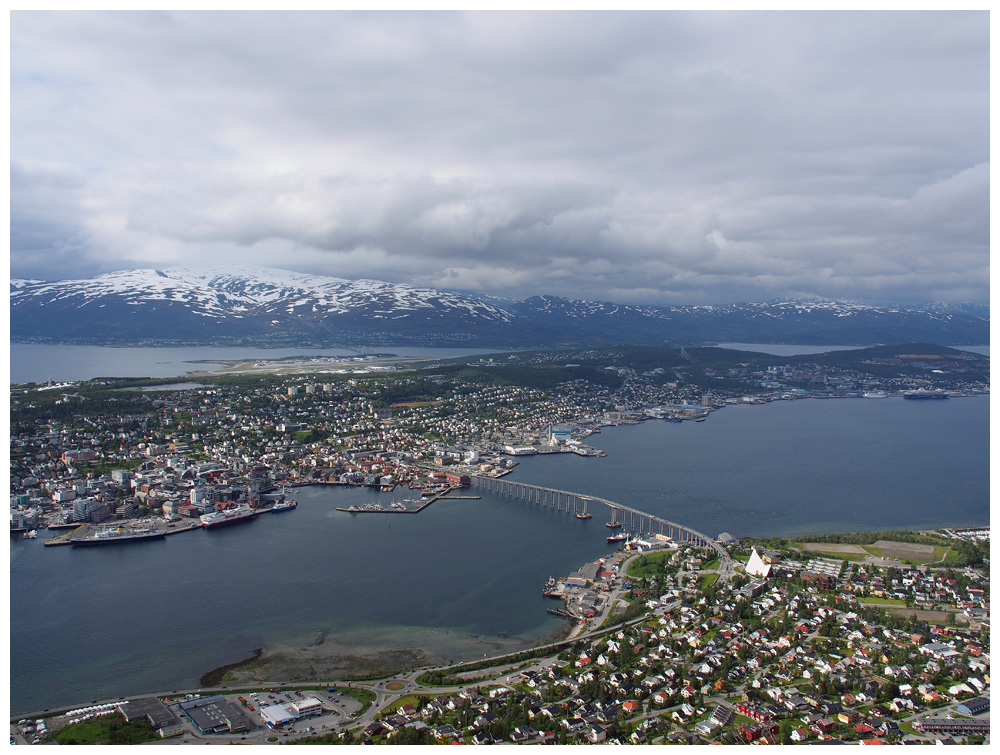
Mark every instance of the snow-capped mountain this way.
pixel 270 306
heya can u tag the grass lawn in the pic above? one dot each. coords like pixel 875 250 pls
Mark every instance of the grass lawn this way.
pixel 883 601
pixel 364 696
pixel 109 730
pixel 647 565
pixel 907 727
pixel 941 552
pixel 841 556
pixel 707 580
pixel 413 700
pixel 712 565
pixel 951 557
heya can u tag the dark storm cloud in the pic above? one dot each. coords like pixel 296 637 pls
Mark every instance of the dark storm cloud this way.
pixel 649 157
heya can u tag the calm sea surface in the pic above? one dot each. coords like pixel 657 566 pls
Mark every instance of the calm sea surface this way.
pixel 88 623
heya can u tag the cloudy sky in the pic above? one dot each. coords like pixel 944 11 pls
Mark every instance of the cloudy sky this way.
pixel 659 157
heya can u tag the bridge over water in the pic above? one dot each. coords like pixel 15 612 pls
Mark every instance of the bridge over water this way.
pixel 577 503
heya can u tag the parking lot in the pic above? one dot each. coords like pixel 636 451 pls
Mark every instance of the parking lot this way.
pixel 339 709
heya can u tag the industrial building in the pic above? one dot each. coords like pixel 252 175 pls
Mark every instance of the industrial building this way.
pixel 215 715
pixel 162 720
pixel 276 716
pixel 310 706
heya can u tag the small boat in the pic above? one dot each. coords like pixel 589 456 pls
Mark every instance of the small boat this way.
pixel 29 535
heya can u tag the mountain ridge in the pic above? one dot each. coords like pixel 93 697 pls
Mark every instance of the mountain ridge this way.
pixel 270 306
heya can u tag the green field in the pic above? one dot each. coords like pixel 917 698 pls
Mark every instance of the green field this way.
pixel 110 730
pixel 882 602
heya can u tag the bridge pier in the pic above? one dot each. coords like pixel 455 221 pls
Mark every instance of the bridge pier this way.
pixel 563 500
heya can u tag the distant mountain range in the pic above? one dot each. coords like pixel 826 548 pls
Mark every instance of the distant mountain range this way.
pixel 264 306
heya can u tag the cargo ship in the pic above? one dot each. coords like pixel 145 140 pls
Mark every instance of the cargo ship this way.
pixel 924 394
pixel 118 534
pixel 229 516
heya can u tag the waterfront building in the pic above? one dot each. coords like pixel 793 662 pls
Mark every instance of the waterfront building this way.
pixel 215 715
pixel 160 718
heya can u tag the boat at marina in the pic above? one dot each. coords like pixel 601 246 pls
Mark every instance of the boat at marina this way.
pixel 228 516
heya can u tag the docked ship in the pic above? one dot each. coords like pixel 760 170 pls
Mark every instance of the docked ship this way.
pixel 619 538
pixel 875 394
pixel 923 393
pixel 284 506
pixel 229 516
pixel 553 588
pixel 118 534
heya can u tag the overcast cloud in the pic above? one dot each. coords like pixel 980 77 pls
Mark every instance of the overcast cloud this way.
pixel 638 157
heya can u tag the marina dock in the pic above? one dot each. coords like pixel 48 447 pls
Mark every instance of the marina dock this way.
pixel 404 507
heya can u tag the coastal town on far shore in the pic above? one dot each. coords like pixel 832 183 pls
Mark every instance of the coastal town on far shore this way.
pixel 882 640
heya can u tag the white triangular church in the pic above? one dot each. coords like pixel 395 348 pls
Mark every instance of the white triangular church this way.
pixel 756 566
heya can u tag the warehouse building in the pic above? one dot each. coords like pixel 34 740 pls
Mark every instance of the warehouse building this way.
pixel 215 715
pixel 161 719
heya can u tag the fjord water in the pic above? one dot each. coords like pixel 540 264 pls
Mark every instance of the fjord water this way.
pixel 88 623
pixel 36 363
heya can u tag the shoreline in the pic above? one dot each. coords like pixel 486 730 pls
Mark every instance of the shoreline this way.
pixel 354 663
pixel 361 659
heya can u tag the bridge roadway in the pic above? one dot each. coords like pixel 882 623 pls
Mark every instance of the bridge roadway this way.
pixel 576 503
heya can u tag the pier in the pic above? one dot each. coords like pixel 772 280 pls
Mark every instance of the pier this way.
pixel 576 503
pixel 380 509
